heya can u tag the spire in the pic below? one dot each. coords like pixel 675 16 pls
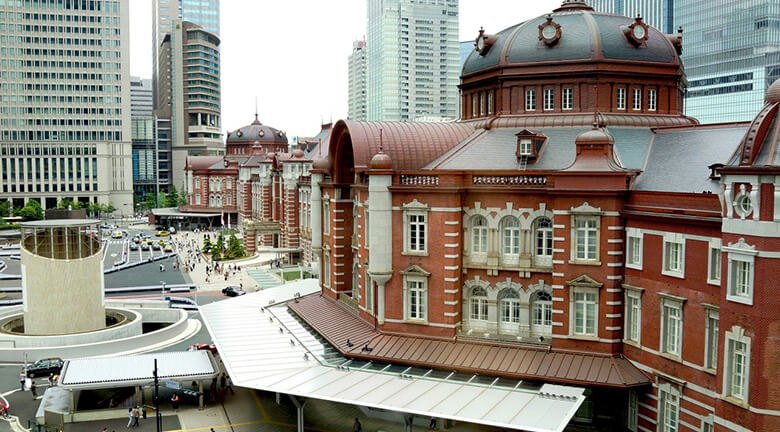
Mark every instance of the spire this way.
pixel 257 120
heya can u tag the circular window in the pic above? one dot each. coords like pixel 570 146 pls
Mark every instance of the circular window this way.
pixel 744 205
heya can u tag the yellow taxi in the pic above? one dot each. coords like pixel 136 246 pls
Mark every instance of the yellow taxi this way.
pixel 117 234
pixel 162 234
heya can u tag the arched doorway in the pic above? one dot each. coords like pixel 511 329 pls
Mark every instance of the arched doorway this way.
pixel 541 314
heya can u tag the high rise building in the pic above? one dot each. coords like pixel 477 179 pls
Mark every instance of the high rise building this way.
pixel 657 13
pixel 412 59
pixel 65 102
pixel 188 94
pixel 143 124
pixel 357 81
pixel 731 56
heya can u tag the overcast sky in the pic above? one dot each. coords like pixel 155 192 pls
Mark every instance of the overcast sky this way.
pixel 292 54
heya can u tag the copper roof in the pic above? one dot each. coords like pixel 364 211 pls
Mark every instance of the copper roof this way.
pixel 336 324
pixel 411 145
pixel 201 162
pixel 582 119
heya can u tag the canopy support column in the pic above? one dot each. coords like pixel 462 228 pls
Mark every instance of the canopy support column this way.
pixel 200 395
pixel 299 404
pixel 408 422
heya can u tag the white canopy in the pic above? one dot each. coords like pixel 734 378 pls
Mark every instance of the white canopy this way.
pixel 265 347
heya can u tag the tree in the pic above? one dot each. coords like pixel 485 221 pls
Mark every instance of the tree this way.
pixel 6 208
pixel 172 198
pixel 107 208
pixel 93 209
pixel 235 248
pixel 207 245
pixel 32 211
pixel 218 247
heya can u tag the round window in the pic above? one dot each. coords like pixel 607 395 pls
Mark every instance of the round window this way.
pixel 744 205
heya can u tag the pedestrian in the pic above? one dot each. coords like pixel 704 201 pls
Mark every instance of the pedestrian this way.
pixel 136 415
pixel 222 381
pixel 161 268
pixel 22 378
pixel 229 386
pixel 32 389
pixel 357 427
pixel 129 417
pixel 175 401
pixel 432 424
pixel 51 379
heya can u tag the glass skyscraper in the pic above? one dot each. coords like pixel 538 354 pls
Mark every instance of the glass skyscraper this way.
pixel 731 55
pixel 412 60
pixel 657 13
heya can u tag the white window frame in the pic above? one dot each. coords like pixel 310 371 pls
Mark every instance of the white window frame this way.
pixel 525 147
pixel 567 99
pixel 421 287
pixel 545 236
pixel 581 234
pixel 632 412
pixel 483 233
pixel 672 325
pixel 575 303
pixel 708 424
pixel 326 269
pixel 621 98
pixel 549 99
pixel 513 306
pixel 633 315
pixel 734 337
pixel 511 239
pixel 711 329
pixel 634 248
pixel 474 105
pixel 667 269
pixel 478 304
pixel 541 311
pixel 369 294
pixel 636 99
pixel 652 100
pixel 740 254
pixel 412 213
pixel 490 102
pixel 326 215
pixel 482 104
pixel 714 262
pixel 668 408
pixel 530 100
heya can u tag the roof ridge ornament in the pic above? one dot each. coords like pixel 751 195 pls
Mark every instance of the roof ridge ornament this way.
pixel 568 5
pixel 637 32
pixel 257 120
pixel 550 31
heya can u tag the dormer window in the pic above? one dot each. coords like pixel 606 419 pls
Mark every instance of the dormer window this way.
pixel 529 144
pixel 525 147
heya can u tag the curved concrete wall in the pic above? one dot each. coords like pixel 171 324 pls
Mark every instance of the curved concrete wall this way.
pixel 62 296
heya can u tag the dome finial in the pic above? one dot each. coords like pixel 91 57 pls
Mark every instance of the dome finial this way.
pixel 257 120
pixel 573 5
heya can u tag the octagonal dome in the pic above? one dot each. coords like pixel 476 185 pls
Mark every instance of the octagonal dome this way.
pixel 256 133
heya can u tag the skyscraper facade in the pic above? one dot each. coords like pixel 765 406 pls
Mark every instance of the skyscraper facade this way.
pixel 188 94
pixel 657 13
pixel 141 97
pixel 357 81
pixel 143 132
pixel 731 55
pixel 65 102
pixel 412 59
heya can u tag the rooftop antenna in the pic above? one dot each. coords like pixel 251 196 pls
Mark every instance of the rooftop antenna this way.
pixel 381 146
pixel 256 119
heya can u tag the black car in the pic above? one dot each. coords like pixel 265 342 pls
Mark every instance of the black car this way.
pixel 233 291
pixel 44 367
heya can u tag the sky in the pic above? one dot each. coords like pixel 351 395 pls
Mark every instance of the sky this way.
pixel 292 54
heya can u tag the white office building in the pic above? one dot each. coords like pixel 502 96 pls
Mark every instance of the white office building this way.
pixel 65 102
pixel 412 59
pixel 357 82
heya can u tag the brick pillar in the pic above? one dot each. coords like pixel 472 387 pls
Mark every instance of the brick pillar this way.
pixel 290 220
pixel 341 242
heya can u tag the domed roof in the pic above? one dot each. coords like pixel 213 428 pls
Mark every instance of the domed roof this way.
pixel 381 161
pixel 584 35
pixel 595 136
pixel 773 93
pixel 256 133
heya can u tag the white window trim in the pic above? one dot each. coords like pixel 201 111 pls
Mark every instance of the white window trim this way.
pixel 574 259
pixel 572 313
pixel 326 219
pixel 418 209
pixel 663 390
pixel 740 251
pixel 714 244
pixel 326 269
pixel 510 258
pixel 652 100
pixel 567 101
pixel 530 94
pixel 632 412
pixel 676 303
pixel 549 102
pixel 634 293
pixel 736 334
pixel 424 280
pixel 708 342
pixel 479 255
pixel 677 238
pixel 634 233
pixel 636 99
pixel 621 103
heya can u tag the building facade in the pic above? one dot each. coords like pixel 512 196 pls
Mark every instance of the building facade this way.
pixel 65 112
pixel 144 136
pixel 657 13
pixel 732 56
pixel 357 82
pixel 412 59
pixel 188 94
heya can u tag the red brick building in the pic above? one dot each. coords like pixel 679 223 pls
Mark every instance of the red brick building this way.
pixel 574 227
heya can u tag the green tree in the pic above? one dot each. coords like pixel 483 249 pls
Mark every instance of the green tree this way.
pixel 6 208
pixel 172 198
pixel 235 248
pixel 93 209
pixel 107 208
pixel 218 247
pixel 207 245
pixel 32 211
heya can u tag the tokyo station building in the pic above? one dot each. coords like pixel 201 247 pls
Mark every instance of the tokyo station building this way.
pixel 574 228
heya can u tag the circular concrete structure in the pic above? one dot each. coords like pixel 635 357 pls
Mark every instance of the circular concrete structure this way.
pixel 62 277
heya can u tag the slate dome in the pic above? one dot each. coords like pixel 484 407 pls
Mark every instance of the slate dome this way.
pixel 256 133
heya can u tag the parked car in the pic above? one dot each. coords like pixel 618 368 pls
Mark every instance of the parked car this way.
pixel 117 234
pixel 156 246
pixel 172 230
pixel 203 347
pixel 133 246
pixel 136 239
pixel 162 234
pixel 168 247
pixel 233 291
pixel 44 367
pixel 144 246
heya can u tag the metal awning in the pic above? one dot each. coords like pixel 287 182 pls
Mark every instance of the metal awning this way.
pixel 266 347
pixel 135 370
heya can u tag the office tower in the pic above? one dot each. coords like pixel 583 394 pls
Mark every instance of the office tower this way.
pixel 144 138
pixel 412 59
pixel 188 94
pixel 657 13
pixel 65 102
pixel 731 55
pixel 357 81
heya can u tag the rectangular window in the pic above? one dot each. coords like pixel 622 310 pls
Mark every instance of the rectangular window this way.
pixel 474 105
pixel 490 103
pixel 530 100
pixel 713 265
pixel 586 236
pixel 482 104
pixel 326 269
pixel 636 101
pixel 621 98
pixel 633 410
pixel 652 102
pixel 741 259
pixel 634 249
pixel 633 315
pixel 326 216
pixel 671 327
pixel 742 278
pixel 711 342
pixel 567 102
pixel 585 310
pixel 416 299
pixel 739 369
pixel 674 255
pixel 549 99
pixel 416 232
pixel 525 147
pixel 479 308
pixel 670 404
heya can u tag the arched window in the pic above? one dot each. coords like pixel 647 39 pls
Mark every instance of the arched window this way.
pixel 510 306
pixel 541 312
pixel 511 235
pixel 544 240
pixel 479 305
pixel 479 235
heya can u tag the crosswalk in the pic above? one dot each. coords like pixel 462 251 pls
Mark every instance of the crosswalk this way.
pixel 264 278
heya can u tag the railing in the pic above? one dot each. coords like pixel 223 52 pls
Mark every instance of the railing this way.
pixel 516 180
pixel 419 180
